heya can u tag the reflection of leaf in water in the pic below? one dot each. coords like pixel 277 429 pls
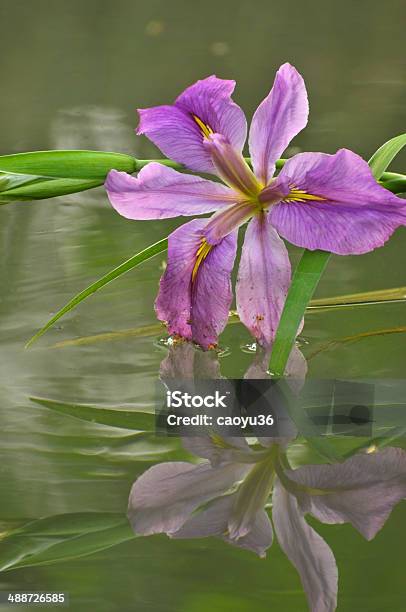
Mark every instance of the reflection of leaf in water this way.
pixel 392 437
pixel 133 332
pixel 62 538
pixel 366 298
pixel 357 338
pixel 127 419
pixel 353 300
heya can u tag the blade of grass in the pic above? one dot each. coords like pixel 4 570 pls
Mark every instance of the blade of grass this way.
pixel 126 266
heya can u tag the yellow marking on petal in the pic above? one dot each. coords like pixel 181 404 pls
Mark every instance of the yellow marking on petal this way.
pixel 201 254
pixel 300 195
pixel 372 449
pixel 204 127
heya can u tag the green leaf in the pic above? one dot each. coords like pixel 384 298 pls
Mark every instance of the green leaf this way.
pixel 62 538
pixel 67 164
pixel 114 417
pixel 46 188
pixel 47 174
pixel 309 271
pixel 305 280
pixel 385 154
pixel 126 266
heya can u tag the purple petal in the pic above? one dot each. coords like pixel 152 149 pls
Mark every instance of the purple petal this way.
pixel 174 301
pixel 355 214
pixel 263 279
pixel 194 299
pixel 228 219
pixel 276 191
pixel 164 496
pixel 281 116
pixel 218 449
pixel 213 521
pixel 306 550
pixel 175 130
pixel 212 292
pixel 260 536
pixel 231 167
pixel 159 192
pixel 364 489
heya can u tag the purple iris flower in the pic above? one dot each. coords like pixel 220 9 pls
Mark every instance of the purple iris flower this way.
pixel 318 201
pixel 225 496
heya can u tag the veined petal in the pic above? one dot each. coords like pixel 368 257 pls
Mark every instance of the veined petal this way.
pixel 212 292
pixel 195 290
pixel 276 191
pixel 227 220
pixel 203 108
pixel 306 550
pixel 281 116
pixel 336 205
pixel 164 496
pixel 362 491
pixel 231 166
pixel 173 304
pixel 159 192
pixel 263 279
pixel 211 521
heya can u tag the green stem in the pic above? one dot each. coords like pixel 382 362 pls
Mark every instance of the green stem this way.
pixel 393 181
pixel 140 163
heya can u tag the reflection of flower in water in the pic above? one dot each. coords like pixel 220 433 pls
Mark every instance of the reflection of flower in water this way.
pixel 226 494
